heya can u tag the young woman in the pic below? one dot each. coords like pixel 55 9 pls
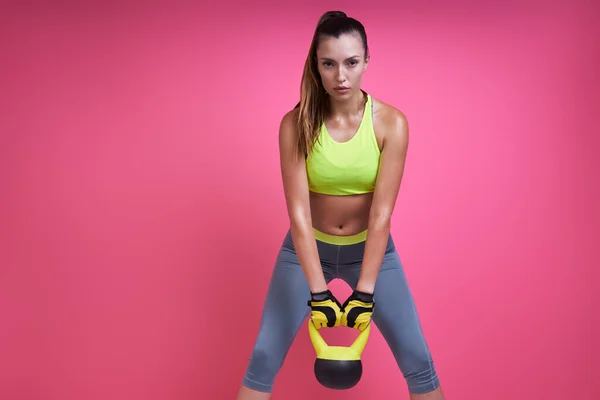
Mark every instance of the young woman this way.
pixel 342 156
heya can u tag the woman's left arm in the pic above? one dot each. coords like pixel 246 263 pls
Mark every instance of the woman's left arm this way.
pixel 391 169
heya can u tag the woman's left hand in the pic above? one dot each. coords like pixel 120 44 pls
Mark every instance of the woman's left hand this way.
pixel 357 310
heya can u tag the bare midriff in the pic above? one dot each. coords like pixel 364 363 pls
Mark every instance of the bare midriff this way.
pixel 340 215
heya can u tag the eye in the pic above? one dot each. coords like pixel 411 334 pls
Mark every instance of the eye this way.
pixel 353 62
pixel 327 64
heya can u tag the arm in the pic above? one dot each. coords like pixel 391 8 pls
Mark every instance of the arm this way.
pixel 295 186
pixel 391 169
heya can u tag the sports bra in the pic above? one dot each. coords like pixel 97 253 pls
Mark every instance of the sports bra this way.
pixel 345 168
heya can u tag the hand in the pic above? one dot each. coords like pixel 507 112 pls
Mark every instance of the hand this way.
pixel 326 310
pixel 358 309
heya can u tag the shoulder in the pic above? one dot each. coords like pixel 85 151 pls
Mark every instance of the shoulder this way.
pixel 290 118
pixel 287 125
pixel 288 133
pixel 390 121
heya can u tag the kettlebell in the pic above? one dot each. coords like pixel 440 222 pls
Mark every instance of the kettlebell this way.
pixel 338 367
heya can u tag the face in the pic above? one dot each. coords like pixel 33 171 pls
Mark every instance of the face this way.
pixel 341 63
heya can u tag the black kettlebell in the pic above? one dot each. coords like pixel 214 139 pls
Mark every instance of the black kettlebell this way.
pixel 338 367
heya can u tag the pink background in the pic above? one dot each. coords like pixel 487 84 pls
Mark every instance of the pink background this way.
pixel 142 210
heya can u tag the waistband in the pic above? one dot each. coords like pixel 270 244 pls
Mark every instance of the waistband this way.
pixel 340 240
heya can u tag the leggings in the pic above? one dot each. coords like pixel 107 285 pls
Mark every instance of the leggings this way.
pixel 286 308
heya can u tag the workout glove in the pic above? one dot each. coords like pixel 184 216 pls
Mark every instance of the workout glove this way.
pixel 326 310
pixel 358 310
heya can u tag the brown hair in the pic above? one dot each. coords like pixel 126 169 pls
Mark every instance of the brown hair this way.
pixel 312 93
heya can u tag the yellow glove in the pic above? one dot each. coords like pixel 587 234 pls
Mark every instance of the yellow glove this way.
pixel 358 309
pixel 326 310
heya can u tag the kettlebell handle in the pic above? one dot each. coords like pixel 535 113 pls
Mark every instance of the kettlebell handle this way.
pixel 321 346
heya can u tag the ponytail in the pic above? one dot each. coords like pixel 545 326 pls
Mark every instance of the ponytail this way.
pixel 312 93
pixel 313 97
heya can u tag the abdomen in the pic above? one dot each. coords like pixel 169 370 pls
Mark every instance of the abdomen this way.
pixel 340 215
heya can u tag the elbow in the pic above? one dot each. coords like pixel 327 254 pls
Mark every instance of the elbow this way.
pixel 300 220
pixel 380 218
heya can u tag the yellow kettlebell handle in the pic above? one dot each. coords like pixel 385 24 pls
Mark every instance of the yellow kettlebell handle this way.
pixel 327 352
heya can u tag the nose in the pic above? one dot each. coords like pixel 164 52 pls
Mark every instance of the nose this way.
pixel 340 77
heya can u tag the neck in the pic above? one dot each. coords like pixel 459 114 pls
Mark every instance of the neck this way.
pixel 348 107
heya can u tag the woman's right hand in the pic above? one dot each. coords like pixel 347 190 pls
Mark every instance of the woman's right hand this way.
pixel 326 310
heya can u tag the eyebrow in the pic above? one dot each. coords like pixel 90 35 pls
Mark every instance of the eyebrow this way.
pixel 329 59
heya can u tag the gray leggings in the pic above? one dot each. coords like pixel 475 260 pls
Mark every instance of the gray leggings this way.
pixel 285 311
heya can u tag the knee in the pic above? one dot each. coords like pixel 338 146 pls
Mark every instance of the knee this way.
pixel 264 365
pixel 420 374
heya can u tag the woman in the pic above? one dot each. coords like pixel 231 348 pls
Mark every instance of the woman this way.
pixel 342 156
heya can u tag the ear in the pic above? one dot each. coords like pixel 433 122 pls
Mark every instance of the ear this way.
pixel 366 63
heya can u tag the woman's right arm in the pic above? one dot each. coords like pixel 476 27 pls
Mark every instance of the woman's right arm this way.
pixel 295 186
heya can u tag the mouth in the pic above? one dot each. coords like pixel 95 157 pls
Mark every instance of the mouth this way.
pixel 341 88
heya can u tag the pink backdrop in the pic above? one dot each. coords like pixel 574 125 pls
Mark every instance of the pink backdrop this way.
pixel 142 209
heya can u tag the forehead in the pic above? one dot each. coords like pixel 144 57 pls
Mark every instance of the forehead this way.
pixel 347 45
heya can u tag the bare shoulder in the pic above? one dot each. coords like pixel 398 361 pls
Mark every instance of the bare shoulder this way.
pixel 390 123
pixel 287 127
pixel 288 136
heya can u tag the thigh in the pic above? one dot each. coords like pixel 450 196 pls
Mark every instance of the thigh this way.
pixel 395 313
pixel 286 304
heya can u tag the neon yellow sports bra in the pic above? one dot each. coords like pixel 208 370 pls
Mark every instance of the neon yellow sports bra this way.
pixel 345 168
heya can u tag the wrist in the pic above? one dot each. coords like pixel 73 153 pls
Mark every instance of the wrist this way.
pixel 365 287
pixel 320 296
pixel 319 287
